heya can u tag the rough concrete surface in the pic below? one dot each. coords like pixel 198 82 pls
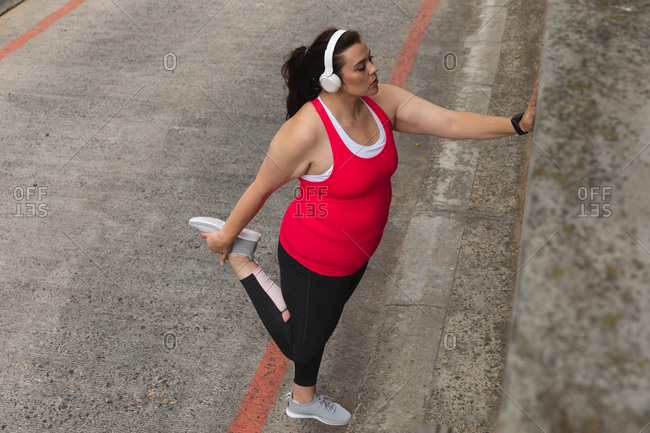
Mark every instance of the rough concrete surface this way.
pixel 124 119
pixel 579 356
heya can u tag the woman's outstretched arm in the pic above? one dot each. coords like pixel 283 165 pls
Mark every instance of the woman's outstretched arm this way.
pixel 418 116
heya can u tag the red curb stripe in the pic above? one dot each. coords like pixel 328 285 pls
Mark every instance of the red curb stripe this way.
pixel 261 393
pixel 38 28
pixel 405 61
pixel 263 389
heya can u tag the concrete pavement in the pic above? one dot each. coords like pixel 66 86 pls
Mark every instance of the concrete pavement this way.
pixel 123 120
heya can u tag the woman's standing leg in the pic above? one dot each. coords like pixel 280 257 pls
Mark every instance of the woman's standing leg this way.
pixel 316 303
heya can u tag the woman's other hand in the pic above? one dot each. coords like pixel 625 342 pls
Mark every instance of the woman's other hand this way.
pixel 527 122
pixel 217 244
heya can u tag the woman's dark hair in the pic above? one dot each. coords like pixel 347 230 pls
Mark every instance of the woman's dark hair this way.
pixel 303 66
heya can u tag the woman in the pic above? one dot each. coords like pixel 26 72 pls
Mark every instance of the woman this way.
pixel 338 140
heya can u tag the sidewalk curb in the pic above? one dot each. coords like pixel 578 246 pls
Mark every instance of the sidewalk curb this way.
pixel 5 5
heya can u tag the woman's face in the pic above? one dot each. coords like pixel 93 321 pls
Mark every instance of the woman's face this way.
pixel 359 74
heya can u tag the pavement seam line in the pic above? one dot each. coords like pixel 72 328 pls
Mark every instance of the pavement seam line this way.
pixel 490 19
pixel 386 273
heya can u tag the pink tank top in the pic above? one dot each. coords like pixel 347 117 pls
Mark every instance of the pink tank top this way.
pixel 334 226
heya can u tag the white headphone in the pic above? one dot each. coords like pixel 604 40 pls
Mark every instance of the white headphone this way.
pixel 329 81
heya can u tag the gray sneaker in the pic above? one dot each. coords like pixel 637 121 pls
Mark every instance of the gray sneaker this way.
pixel 321 408
pixel 245 243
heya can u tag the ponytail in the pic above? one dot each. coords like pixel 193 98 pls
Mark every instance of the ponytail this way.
pixel 303 67
pixel 299 73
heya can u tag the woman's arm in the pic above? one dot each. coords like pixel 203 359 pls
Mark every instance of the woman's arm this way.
pixel 288 157
pixel 418 116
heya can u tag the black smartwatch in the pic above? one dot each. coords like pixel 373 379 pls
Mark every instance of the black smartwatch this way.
pixel 515 123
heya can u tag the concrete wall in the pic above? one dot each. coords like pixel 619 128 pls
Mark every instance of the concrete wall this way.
pixel 579 358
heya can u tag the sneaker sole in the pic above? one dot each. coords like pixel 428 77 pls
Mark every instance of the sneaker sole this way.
pixel 209 224
pixel 293 414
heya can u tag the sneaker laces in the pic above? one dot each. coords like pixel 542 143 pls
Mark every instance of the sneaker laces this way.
pixel 326 402
pixel 323 400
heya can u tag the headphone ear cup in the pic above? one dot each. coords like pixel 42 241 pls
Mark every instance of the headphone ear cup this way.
pixel 330 83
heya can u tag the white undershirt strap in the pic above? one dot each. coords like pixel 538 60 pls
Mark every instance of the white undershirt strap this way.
pixel 358 149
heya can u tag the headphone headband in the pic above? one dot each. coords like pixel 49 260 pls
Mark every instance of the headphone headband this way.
pixel 329 52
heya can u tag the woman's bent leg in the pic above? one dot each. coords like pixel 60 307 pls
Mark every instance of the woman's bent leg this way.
pixel 244 266
pixel 272 317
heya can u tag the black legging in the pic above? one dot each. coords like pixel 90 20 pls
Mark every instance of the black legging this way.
pixel 315 302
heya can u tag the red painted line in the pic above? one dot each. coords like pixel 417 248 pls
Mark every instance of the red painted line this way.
pixel 38 28
pixel 263 389
pixel 261 392
pixel 405 61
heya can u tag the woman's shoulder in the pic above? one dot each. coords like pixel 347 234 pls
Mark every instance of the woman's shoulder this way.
pixel 390 98
pixel 304 128
pixel 305 125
